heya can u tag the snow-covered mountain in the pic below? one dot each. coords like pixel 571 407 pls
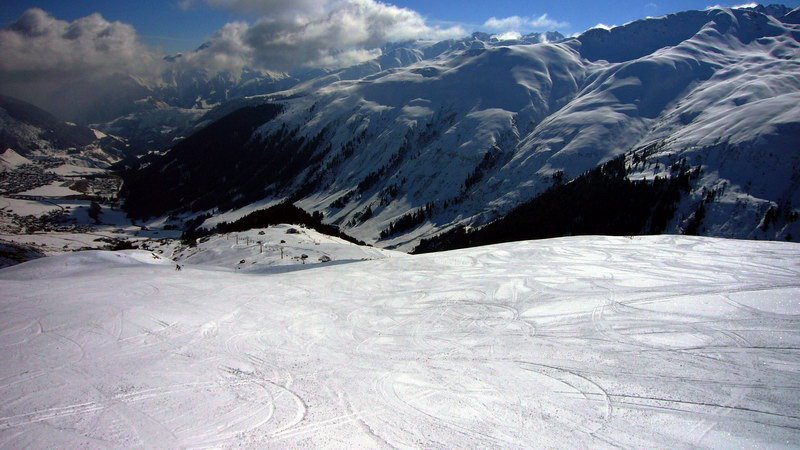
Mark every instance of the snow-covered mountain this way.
pixel 154 128
pixel 466 136
pixel 27 130
pixel 174 107
pixel 187 88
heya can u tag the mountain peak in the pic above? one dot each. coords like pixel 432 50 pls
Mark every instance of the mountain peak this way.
pixel 643 37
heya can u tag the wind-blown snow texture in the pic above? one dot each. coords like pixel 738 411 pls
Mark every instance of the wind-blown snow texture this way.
pixel 596 342
pixel 477 131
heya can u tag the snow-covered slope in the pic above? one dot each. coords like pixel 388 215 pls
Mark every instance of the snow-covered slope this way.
pixel 172 108
pixel 156 127
pixel 28 130
pixel 266 249
pixel 24 128
pixel 464 137
pixel 10 159
pixel 591 341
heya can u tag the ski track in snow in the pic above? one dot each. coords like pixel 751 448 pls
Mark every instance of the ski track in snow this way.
pixel 581 342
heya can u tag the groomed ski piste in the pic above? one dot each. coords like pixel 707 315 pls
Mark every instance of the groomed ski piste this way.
pixel 581 342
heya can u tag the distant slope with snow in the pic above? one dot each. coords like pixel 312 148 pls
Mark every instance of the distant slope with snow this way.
pixel 189 98
pixel 28 130
pixel 276 247
pixel 464 137
pixel 10 160
pixel 24 127
pixel 647 342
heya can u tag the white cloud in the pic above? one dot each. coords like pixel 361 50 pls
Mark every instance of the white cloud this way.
pixel 742 6
pixel 286 35
pixel 508 36
pixel 508 23
pixel 59 65
pixel 38 44
pixel 226 51
pixel 46 60
pixel 545 22
pixel 305 33
pixel 519 24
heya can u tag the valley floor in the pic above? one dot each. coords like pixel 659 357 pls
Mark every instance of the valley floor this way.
pixel 582 342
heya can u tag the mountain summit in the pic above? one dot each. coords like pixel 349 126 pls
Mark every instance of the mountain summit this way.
pixel 463 136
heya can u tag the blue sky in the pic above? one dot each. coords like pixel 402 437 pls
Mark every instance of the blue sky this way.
pixel 163 23
pixel 158 22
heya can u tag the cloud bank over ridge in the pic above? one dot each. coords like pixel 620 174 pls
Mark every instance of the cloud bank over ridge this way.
pixel 328 33
pixel 58 64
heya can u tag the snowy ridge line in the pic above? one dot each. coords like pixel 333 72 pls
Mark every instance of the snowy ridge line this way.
pixel 463 138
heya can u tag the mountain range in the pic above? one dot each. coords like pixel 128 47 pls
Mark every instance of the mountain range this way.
pixel 694 115
pixel 204 241
pixel 464 136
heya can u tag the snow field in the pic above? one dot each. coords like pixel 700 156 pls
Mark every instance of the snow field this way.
pixel 585 342
pixel 55 189
pixel 22 207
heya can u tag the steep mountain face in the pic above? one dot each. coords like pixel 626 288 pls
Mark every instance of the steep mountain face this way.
pixel 27 130
pixel 204 171
pixel 202 89
pixel 156 127
pixel 24 128
pixel 466 135
pixel 153 117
